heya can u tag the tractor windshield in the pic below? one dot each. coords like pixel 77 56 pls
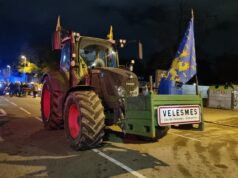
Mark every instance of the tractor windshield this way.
pixel 97 52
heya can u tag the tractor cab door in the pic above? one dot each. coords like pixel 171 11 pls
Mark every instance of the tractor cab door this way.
pixel 65 58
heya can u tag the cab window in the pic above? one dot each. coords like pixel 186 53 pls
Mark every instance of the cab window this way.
pixel 97 53
pixel 65 57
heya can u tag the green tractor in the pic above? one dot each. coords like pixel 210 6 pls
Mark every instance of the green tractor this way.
pixel 90 91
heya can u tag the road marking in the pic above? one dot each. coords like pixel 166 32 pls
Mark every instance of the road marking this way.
pixel 7 100
pixel 38 118
pixel 21 108
pixel 118 163
pixel 4 98
pixel 2 112
pixel 13 103
pixel 190 138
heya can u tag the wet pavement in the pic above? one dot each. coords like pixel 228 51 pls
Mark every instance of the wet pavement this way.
pixel 28 150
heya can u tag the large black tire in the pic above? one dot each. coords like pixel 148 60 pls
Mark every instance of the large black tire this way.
pixel 84 120
pixel 51 112
pixel 161 131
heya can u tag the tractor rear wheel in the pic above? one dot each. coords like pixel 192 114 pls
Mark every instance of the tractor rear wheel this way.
pixel 84 119
pixel 50 115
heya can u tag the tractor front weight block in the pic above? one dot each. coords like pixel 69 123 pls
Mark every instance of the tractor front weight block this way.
pixel 146 115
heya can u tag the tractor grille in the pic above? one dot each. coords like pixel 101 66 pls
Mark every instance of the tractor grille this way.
pixel 132 87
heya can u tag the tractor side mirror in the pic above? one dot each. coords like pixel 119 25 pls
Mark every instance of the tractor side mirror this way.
pixel 140 50
pixel 56 41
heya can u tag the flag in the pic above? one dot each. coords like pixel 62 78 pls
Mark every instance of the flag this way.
pixel 110 35
pixel 83 68
pixel 184 65
pixel 58 26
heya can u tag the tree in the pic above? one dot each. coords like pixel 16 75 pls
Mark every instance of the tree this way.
pixel 25 66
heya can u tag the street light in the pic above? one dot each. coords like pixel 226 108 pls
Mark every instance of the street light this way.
pixel 24 66
pixel 122 43
pixel 8 72
pixel 9 68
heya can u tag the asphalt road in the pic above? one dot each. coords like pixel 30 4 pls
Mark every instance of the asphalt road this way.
pixel 28 150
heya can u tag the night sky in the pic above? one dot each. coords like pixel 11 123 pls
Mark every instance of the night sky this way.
pixel 159 24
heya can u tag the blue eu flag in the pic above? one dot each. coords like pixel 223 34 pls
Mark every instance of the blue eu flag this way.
pixel 184 65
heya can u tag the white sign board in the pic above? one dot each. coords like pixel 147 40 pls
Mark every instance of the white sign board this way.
pixel 182 114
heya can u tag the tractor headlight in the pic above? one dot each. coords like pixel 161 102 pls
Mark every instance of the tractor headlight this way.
pixel 121 91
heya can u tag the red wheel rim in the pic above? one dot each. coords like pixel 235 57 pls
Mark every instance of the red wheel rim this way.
pixel 74 127
pixel 46 103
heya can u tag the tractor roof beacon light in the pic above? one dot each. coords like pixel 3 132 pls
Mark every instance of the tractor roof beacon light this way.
pixel 110 34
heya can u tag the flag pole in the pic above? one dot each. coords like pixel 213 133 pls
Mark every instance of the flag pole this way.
pixel 196 77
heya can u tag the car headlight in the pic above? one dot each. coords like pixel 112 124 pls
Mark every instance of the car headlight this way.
pixel 121 91
pixel 0 85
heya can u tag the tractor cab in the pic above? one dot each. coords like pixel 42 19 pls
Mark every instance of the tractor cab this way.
pixel 97 52
pixel 80 54
pixel 94 51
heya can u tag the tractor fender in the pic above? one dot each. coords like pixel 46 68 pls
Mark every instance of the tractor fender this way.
pixel 59 85
pixel 59 82
pixel 79 88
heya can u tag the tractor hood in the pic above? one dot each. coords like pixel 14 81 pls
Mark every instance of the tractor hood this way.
pixel 117 82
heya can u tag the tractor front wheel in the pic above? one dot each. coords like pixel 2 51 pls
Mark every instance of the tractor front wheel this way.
pixel 84 119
